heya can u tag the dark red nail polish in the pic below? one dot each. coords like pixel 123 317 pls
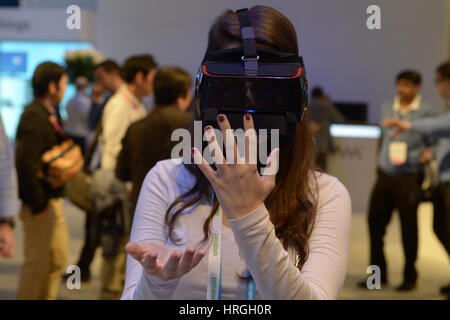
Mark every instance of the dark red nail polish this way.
pixel 192 150
pixel 208 128
pixel 221 117
pixel 247 117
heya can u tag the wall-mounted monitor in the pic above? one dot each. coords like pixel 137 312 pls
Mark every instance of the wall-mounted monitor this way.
pixel 13 61
pixel 354 112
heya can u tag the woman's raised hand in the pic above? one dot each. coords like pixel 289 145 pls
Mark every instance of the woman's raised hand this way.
pixel 239 187
pixel 162 262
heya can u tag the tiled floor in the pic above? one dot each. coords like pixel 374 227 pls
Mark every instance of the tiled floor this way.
pixel 433 264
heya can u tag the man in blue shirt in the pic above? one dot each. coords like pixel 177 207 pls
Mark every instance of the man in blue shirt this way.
pixel 437 127
pixel 399 178
pixel 76 125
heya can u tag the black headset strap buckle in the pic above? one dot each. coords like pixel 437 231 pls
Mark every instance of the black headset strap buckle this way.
pixel 250 57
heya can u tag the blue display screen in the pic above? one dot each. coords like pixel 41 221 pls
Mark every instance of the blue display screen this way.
pixel 18 60
pixel 13 62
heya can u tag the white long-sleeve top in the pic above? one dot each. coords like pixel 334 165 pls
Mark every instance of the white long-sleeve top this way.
pixel 250 243
pixel 121 110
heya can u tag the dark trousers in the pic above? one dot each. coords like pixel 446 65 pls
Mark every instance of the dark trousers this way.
pixel 389 193
pixel 91 242
pixel 441 221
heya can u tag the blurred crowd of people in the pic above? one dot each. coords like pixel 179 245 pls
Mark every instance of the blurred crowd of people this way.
pixel 121 141
pixel 413 166
pixel 414 137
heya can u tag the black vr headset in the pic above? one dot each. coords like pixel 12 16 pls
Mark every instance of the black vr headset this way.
pixel 269 84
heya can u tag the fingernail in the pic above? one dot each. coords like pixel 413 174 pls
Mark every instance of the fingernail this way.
pixel 247 117
pixel 193 150
pixel 221 117
pixel 208 128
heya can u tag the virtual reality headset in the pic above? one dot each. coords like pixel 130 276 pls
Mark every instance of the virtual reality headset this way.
pixel 268 84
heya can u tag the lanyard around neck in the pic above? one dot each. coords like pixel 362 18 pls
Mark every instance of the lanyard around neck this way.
pixel 214 284
pixel 53 119
pixel 403 116
pixel 130 101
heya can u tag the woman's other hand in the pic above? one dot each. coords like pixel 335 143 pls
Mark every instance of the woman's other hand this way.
pixel 162 262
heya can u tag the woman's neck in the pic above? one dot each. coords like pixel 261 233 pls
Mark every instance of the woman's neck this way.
pixel 225 221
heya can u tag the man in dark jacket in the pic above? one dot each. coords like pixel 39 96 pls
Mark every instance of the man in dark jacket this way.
pixel 148 141
pixel 44 225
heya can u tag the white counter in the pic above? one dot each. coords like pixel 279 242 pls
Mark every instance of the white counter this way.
pixel 355 160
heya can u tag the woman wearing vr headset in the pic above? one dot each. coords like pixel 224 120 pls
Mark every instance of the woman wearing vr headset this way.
pixel 282 235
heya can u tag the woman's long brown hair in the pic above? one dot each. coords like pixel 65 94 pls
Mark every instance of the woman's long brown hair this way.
pixel 292 203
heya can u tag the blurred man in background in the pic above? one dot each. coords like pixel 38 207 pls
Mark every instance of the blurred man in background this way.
pixel 107 78
pixel 76 125
pixel 9 201
pixel 125 107
pixel 399 179
pixel 148 141
pixel 45 229
pixel 322 113
pixel 437 127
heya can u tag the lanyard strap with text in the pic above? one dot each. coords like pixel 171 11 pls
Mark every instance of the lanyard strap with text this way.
pixel 213 287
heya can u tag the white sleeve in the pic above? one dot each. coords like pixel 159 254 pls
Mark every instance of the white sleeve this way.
pixel 275 274
pixel 113 131
pixel 149 227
